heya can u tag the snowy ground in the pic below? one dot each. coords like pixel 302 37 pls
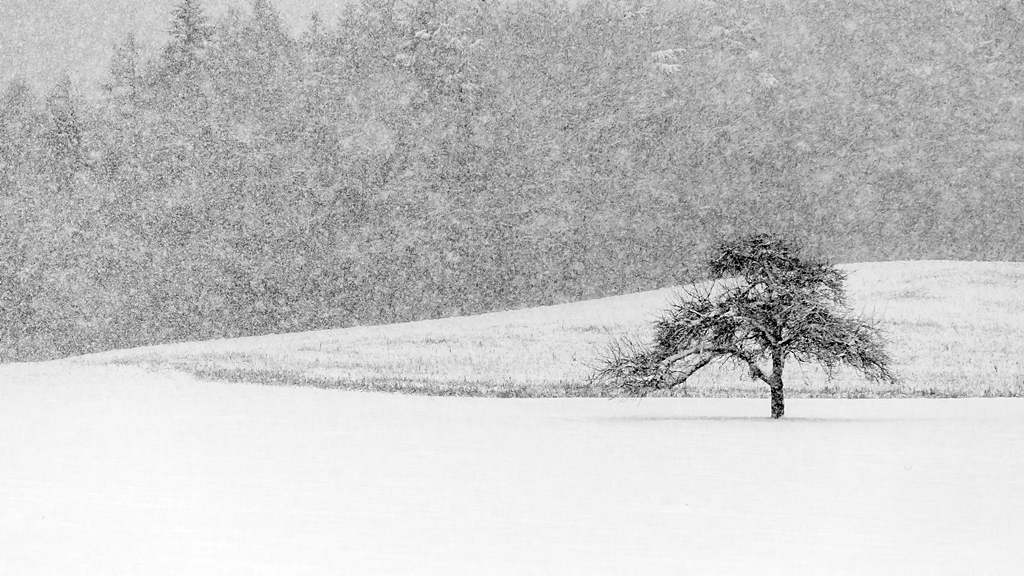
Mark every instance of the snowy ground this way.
pixel 957 329
pixel 117 471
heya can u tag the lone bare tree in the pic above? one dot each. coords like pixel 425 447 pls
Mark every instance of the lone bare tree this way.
pixel 766 304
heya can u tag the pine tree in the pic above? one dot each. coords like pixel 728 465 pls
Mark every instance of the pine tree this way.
pixel 125 71
pixel 65 132
pixel 190 34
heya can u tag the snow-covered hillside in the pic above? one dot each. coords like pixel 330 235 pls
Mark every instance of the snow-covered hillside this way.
pixel 957 329
pixel 109 468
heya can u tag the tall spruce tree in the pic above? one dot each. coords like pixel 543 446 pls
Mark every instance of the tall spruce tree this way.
pixel 190 34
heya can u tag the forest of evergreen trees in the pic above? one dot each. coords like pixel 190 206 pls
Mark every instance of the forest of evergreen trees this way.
pixel 427 158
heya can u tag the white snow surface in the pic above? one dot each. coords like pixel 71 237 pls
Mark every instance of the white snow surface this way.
pixel 121 471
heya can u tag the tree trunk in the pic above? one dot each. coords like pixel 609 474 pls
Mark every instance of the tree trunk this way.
pixel 778 405
pixel 775 383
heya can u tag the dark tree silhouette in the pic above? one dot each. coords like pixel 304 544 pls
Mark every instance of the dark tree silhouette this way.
pixel 766 304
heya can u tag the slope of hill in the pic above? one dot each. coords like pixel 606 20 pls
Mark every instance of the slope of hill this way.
pixel 956 329
pixel 108 468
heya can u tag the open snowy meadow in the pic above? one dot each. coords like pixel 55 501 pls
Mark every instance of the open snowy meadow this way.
pixel 143 462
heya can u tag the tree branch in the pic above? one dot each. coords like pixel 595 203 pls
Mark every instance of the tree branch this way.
pixel 709 355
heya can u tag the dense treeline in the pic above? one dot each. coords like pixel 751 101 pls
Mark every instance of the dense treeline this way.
pixel 435 157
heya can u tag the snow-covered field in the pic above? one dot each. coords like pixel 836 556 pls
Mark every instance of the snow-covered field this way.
pixel 957 329
pixel 113 470
pixel 108 468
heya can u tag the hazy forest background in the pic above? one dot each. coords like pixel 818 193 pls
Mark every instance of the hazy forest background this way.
pixel 428 158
